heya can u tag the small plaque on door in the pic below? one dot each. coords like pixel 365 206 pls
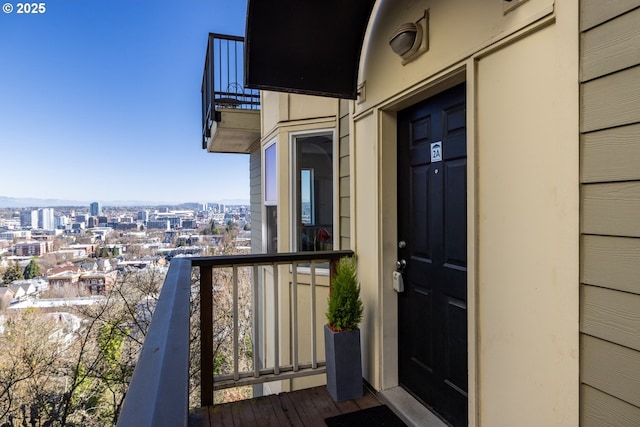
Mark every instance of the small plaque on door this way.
pixel 436 151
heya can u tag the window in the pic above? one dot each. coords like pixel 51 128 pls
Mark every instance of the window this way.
pixel 307 208
pixel 271 198
pixel 270 178
pixel 314 191
pixel 272 229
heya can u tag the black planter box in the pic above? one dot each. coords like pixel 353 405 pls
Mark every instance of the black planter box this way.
pixel 344 364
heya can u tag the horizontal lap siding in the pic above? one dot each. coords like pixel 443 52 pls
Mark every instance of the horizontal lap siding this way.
pixel 611 368
pixel 611 262
pixel 255 194
pixel 605 410
pixel 596 12
pixel 344 176
pixel 612 47
pixel 612 100
pixel 612 315
pixel 610 207
pixel 602 150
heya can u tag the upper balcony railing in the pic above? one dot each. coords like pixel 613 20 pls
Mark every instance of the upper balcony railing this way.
pixel 223 80
pixel 259 293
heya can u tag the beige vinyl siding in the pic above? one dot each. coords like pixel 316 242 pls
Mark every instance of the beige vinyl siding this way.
pixel 611 100
pixel 611 208
pixel 618 146
pixel 606 410
pixel 255 195
pixel 612 315
pixel 595 12
pixel 344 174
pixel 611 262
pixel 611 368
pixel 610 203
pixel 612 47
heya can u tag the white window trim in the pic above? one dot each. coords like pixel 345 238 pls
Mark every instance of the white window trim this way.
pixel 264 174
pixel 263 186
pixel 293 243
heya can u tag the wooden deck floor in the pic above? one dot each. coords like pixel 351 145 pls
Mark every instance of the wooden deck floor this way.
pixel 306 408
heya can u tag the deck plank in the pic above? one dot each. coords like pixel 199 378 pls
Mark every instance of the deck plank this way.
pixel 243 414
pixel 306 409
pixel 220 415
pixel 302 408
pixel 283 417
pixel 324 403
pixel 293 404
pixel 265 413
pixel 289 409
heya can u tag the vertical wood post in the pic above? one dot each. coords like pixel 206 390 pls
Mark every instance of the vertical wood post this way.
pixel 276 321
pixel 314 355
pixel 236 322
pixel 294 320
pixel 256 324
pixel 206 338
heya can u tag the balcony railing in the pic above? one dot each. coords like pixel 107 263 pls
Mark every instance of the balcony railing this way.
pixel 158 394
pixel 223 81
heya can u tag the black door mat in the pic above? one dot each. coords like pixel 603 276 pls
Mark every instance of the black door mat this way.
pixel 379 416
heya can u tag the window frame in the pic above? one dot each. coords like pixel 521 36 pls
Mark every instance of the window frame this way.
pixel 273 143
pixel 293 184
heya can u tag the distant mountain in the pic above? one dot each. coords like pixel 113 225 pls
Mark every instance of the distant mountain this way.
pixel 233 202
pixel 25 202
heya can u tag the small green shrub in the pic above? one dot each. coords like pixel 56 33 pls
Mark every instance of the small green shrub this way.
pixel 345 306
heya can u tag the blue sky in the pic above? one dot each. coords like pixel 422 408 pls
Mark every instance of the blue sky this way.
pixel 100 100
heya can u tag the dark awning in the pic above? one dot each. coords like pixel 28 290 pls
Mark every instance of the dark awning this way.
pixel 302 46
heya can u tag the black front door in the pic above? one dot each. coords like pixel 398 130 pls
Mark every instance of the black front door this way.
pixel 432 206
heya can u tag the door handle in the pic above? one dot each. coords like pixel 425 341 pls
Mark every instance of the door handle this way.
pixel 401 265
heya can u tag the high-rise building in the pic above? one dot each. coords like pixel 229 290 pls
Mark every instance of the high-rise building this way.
pixel 45 219
pixel 143 215
pixel 29 219
pixel 60 221
pixel 95 209
pixel 175 222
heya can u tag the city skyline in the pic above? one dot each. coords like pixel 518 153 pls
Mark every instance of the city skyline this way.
pixel 100 101
pixel 27 203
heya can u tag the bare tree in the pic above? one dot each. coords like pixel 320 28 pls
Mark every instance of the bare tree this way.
pixel 28 354
pixel 77 376
pixel 56 375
